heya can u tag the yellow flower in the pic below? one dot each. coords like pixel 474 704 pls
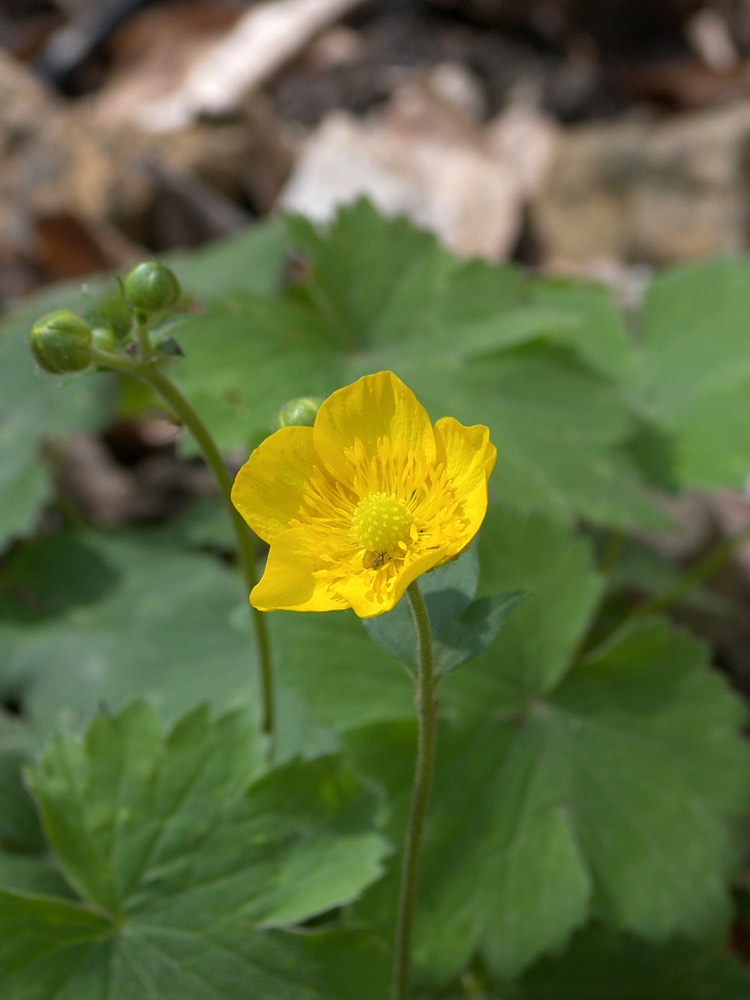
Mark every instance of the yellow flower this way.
pixel 358 506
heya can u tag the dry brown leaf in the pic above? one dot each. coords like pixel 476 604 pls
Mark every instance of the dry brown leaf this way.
pixel 427 156
pixel 260 43
pixel 153 53
pixel 68 246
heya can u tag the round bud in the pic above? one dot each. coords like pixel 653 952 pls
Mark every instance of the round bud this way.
pixel 61 342
pixel 151 287
pixel 104 339
pixel 298 412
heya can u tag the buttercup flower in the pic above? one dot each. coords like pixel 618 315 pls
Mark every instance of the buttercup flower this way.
pixel 359 505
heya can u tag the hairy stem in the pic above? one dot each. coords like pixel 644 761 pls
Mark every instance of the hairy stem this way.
pixel 426 704
pixel 152 375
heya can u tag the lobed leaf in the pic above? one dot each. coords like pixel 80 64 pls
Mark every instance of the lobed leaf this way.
pixel 565 788
pixel 187 854
pixel 535 362
pixel 694 368
pixel 461 627
pixel 249 262
pixel 601 965
pixel 54 950
pixel 89 619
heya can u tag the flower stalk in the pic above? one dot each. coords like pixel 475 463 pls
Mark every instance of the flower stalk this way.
pixel 145 367
pixel 153 376
pixel 425 699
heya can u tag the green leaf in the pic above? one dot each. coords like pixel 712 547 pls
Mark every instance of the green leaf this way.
pixel 89 619
pixel 535 363
pixel 19 826
pixel 601 965
pixel 448 591
pixel 695 368
pixel 339 677
pixel 49 939
pixel 557 569
pixel 565 790
pixel 33 405
pixel 191 856
pixel 128 805
pixel 109 803
pixel 32 873
pixel 373 278
pixel 53 950
pixel 595 326
pixel 500 871
pixel 249 262
pixel 461 628
pixel 63 604
pixel 561 431
pixel 472 633
pixel 366 272
pixel 244 361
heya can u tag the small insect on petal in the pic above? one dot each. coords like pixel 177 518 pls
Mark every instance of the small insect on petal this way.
pixel 357 506
pixel 374 560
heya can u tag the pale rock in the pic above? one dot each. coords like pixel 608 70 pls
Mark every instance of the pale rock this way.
pixel 427 156
pixel 647 191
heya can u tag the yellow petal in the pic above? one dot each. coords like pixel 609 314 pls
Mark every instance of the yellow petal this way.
pixel 469 458
pixel 289 583
pixel 363 598
pixel 376 406
pixel 269 486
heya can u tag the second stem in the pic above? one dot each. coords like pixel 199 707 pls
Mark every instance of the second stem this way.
pixel 152 375
pixel 426 704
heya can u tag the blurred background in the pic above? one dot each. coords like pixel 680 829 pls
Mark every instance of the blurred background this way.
pixel 595 137
pixel 602 139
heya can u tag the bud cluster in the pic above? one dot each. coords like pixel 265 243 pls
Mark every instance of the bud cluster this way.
pixel 62 341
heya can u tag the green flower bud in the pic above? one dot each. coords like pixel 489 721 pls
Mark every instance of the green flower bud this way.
pixel 151 287
pixel 61 342
pixel 105 339
pixel 298 412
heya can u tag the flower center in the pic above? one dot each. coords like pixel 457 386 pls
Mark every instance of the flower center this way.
pixel 380 522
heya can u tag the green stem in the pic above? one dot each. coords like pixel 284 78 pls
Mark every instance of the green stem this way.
pixel 152 375
pixel 426 703
pixel 141 332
